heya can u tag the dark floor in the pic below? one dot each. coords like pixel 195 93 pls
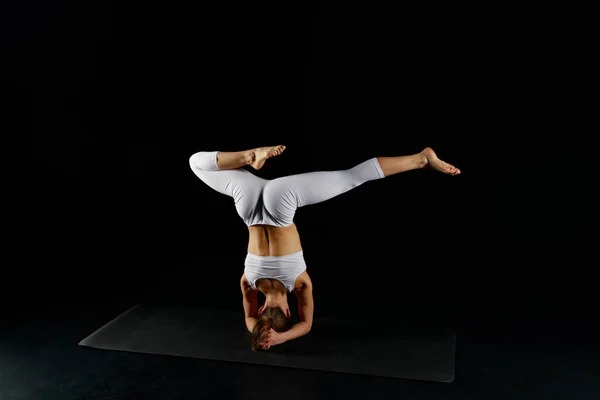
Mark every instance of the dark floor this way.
pixel 40 359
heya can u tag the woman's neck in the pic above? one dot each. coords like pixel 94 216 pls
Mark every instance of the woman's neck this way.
pixel 275 298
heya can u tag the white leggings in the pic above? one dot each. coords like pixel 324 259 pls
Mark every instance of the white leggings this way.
pixel 274 202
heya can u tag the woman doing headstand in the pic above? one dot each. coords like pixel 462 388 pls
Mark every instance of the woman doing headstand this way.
pixel 274 263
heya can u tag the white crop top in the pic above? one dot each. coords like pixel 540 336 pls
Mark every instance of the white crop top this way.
pixel 283 268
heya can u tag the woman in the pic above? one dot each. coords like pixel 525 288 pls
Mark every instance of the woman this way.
pixel 274 264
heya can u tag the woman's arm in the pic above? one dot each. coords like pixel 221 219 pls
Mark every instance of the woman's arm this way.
pixel 306 311
pixel 250 322
pixel 306 307
pixel 250 303
pixel 306 304
pixel 299 329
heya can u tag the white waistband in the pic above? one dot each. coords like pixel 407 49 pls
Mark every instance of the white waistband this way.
pixel 296 255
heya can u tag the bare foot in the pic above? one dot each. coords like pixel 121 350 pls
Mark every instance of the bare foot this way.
pixel 434 162
pixel 262 153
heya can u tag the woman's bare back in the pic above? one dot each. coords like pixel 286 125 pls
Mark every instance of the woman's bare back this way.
pixel 266 240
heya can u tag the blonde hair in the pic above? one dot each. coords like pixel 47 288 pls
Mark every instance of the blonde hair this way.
pixel 271 317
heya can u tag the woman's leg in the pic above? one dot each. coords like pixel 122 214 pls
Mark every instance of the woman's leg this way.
pixel 282 196
pixel 223 172
pixel 253 157
pixel 426 158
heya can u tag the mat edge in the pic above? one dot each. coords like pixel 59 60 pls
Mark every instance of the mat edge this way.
pixel 105 326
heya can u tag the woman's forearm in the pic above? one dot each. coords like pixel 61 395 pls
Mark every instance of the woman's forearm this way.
pixel 299 329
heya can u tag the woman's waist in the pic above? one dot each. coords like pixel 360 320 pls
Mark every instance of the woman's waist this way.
pixel 273 230
pixel 273 241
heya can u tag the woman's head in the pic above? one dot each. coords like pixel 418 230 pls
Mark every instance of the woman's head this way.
pixel 269 317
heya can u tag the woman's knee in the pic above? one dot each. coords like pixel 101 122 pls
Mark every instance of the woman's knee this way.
pixel 204 160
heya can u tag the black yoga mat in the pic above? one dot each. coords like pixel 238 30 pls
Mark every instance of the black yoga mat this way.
pixel 337 345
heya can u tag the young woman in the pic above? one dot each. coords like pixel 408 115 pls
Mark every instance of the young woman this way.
pixel 274 264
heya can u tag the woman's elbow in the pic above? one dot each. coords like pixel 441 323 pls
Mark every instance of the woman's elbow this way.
pixel 306 326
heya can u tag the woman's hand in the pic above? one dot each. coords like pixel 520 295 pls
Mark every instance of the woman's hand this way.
pixel 273 339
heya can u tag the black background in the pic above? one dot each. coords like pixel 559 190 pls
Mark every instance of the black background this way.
pixel 119 95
